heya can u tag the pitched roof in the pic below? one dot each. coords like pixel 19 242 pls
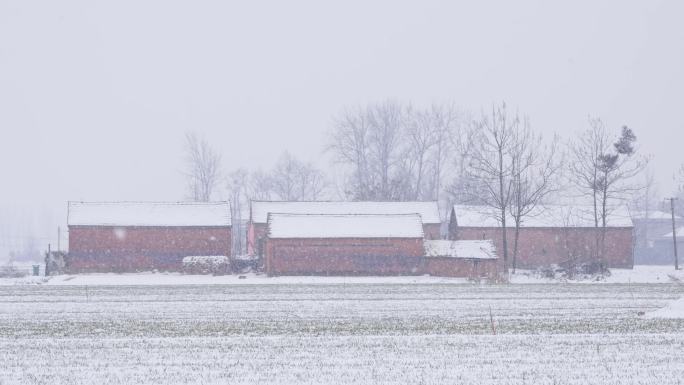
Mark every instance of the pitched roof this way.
pixel 149 214
pixel 429 211
pixel 547 216
pixel 344 226
pixel 680 233
pixel 653 215
pixel 460 249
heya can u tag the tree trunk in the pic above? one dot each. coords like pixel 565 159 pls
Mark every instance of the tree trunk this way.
pixel 503 212
pixel 515 243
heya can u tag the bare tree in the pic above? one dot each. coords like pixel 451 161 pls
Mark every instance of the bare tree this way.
pixel 644 203
pixel 290 179
pixel 387 120
pixel 284 177
pixel 260 186
pixel 370 142
pixel 428 147
pixel 394 151
pixel 446 125
pixel 294 180
pixel 203 168
pixel 237 183
pixel 491 165
pixel 586 154
pixel 465 187
pixel 535 167
pixel 349 143
pixel 617 168
pixel 604 170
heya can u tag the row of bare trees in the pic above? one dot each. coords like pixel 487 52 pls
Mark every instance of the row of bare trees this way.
pixel 395 151
pixel 509 168
pixel 290 179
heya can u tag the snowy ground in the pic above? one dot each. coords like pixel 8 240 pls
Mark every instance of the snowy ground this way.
pixel 640 274
pixel 184 279
pixel 344 333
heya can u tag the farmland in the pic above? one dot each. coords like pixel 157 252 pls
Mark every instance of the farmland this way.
pixel 340 333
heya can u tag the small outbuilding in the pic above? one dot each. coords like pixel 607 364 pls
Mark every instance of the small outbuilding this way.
pixel 138 236
pixel 551 234
pixel 470 259
pixel 259 211
pixel 653 237
pixel 349 244
pixel 666 244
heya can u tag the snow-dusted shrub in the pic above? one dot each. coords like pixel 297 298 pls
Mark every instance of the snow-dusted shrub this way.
pixel 593 271
pixel 211 264
pixel 245 263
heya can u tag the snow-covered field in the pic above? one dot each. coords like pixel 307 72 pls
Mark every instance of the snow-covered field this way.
pixel 343 333
pixel 640 274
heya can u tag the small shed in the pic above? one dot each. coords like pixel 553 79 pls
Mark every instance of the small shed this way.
pixel 470 259
pixel 334 244
pixel 666 243
pixel 138 236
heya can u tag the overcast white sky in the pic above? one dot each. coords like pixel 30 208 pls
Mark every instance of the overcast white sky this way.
pixel 95 95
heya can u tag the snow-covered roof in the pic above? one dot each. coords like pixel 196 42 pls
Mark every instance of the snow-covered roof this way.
pixel 149 214
pixel 680 233
pixel 429 211
pixel 542 216
pixel 652 214
pixel 344 226
pixel 460 249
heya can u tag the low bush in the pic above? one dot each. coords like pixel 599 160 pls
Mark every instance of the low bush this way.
pixel 594 271
pixel 212 264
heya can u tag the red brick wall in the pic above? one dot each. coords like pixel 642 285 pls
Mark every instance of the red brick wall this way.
pixel 432 231
pixel 544 246
pixel 105 249
pixel 255 233
pixel 343 256
pixel 456 267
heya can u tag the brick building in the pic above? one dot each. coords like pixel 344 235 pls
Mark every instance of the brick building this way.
pixel 138 236
pixel 653 237
pixel 369 244
pixel 468 258
pixel 551 235
pixel 259 210
pixel 359 244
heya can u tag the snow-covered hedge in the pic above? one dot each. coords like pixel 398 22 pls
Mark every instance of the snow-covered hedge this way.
pixel 211 264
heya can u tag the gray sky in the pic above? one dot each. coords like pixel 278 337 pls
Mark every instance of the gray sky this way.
pixel 95 95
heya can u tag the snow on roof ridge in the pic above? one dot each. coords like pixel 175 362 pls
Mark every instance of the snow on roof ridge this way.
pixel 679 231
pixel 336 201
pixel 343 215
pixel 151 214
pixel 150 202
pixel 428 210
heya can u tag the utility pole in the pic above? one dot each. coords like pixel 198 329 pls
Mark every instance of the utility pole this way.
pixel 59 235
pixel 47 262
pixel 674 231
